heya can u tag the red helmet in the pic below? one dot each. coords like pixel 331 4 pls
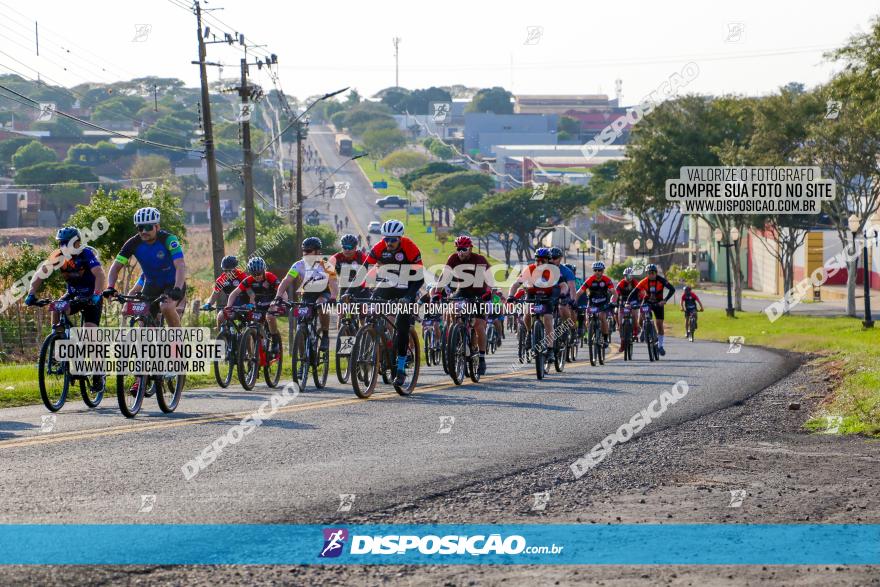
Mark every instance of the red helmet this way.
pixel 463 241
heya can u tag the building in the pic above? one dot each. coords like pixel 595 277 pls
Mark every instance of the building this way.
pixel 483 131
pixel 559 105
pixel 515 164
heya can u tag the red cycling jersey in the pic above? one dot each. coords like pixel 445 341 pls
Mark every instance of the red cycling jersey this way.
pixel 406 253
pixel 599 288
pixel 229 280
pixel 263 290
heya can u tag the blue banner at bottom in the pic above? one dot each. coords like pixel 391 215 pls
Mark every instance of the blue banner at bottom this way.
pixel 573 544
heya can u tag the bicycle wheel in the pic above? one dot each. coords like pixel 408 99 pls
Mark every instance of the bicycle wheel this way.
pixel 427 335
pixel 692 327
pixel 272 369
pixel 560 347
pixel 591 344
pixel 169 390
pixel 473 364
pixel 456 360
pixel 344 346
pixel 538 351
pixel 224 369
pixel 249 358
pixel 649 339
pixel 320 366
pixel 300 358
pixel 365 362
pixel 412 362
pixel 54 377
pixel 91 397
pixel 626 339
pixel 521 345
pixel 130 402
pixel 444 342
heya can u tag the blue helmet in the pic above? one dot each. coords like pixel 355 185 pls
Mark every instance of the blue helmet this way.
pixel 229 263
pixel 67 234
pixel 256 265
pixel 542 252
pixel 349 241
pixel 555 252
pixel 312 243
pixel 598 266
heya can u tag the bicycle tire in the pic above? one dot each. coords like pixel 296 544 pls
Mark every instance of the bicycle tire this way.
pixel 560 352
pixel 413 360
pixel 130 410
pixel 276 363
pixel 47 361
pixel 456 357
pixel 85 390
pixel 224 379
pixel 174 387
pixel 625 339
pixel 320 366
pixel 473 366
pixel 537 351
pixel 248 358
pixel 299 359
pixel 365 365
pixel 343 362
pixel 522 348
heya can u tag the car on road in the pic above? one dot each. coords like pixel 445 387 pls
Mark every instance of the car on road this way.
pixel 392 201
pixel 374 227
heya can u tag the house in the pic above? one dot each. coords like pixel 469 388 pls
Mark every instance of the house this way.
pixel 483 131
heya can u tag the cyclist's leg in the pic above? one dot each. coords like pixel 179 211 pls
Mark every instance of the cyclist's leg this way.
pixel 169 309
pixel 659 315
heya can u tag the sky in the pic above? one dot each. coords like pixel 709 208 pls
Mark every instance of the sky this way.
pixel 552 47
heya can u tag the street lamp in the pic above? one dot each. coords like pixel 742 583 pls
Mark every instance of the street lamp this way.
pixel 866 278
pixel 733 236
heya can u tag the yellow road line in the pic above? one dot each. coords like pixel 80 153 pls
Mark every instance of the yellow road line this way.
pixel 312 405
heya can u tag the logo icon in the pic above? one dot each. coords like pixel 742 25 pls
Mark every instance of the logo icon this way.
pixel 47 423
pixel 47 112
pixel 736 498
pixel 832 109
pixel 334 541
pixel 141 32
pixel 735 32
pixel 441 112
pixel 541 500
pixel 539 191
pixel 148 189
pixel 833 423
pixel 736 343
pixel 446 423
pixel 346 500
pixel 147 503
pixel 340 189
pixel 533 35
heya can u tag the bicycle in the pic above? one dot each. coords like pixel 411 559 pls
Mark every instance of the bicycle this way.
pixel 649 331
pixel 595 338
pixel 305 352
pixel 627 327
pixel 131 389
pixel 49 366
pixel 374 352
pixel 348 327
pixel 431 341
pixel 463 354
pixel 493 339
pixel 258 349
pixel 690 323
pixel 537 336
pixel 230 333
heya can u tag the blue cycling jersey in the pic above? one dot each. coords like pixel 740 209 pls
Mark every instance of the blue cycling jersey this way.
pixel 566 274
pixel 156 259
pixel 77 272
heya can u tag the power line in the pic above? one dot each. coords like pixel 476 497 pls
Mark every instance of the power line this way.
pixel 39 185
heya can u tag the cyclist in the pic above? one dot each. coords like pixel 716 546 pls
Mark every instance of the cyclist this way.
pixel 651 288
pixel 435 295
pixel 228 282
pixel 538 279
pixel 315 279
pixel 689 302
pixel 624 288
pixel 84 277
pixel 497 315
pixel 396 249
pixel 600 290
pixel 347 264
pixel 263 286
pixel 468 272
pixel 567 286
pixel 160 257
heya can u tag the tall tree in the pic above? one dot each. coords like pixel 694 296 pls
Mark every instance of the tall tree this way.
pixel 497 100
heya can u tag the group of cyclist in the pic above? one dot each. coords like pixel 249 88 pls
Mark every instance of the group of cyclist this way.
pixel 316 280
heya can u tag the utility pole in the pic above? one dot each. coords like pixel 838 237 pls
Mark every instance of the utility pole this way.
pixel 250 229
pixel 217 249
pixel 396 42
pixel 299 191
pixel 291 210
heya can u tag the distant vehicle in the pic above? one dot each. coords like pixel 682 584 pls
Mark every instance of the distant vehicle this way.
pixel 374 227
pixel 344 145
pixel 398 201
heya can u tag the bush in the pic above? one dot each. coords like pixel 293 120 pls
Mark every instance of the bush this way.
pixel 277 246
pixel 24 259
pixel 689 275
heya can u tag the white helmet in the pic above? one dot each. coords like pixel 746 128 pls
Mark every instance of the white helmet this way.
pixel 392 228
pixel 146 216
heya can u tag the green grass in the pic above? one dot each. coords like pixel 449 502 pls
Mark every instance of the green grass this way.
pixel 375 173
pixel 848 353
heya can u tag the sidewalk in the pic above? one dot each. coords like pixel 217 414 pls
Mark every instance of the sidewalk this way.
pixel 829 293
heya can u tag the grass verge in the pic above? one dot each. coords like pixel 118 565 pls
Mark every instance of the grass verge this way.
pixel 849 353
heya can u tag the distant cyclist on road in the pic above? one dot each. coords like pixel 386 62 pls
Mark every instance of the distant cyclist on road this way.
pixel 399 250
pixel 567 290
pixel 348 264
pixel 160 257
pixel 599 289
pixel 651 288
pixel 227 283
pixel 689 302
pixel 263 286
pixel 538 279
pixel 625 287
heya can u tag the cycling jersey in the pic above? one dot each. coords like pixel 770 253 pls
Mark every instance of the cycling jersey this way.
pixel 690 300
pixel 228 281
pixel 653 289
pixel 315 275
pixel 475 267
pixel 406 253
pixel 543 284
pixel 156 259
pixel 347 269
pixel 77 272
pixel 625 287
pixel 264 291
pixel 598 289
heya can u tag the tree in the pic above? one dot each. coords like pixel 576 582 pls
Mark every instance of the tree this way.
pixel 441 150
pixel 275 245
pixel 352 99
pixel 118 207
pixel 150 167
pixel 60 126
pixel 53 172
pixel 118 108
pixel 9 147
pixel 380 143
pixel 432 168
pixel 31 154
pixel 569 125
pixel 62 198
pixel 614 233
pixel 97 154
pixel 497 100
pixel 403 160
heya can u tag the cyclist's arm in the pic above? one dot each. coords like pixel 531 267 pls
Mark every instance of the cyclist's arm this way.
pixel 233 296
pixel 697 298
pixel 179 272
pixel 100 278
pixel 115 268
pixel 121 260
pixel 671 290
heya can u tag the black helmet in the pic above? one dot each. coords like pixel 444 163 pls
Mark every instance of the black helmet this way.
pixel 555 252
pixel 349 241
pixel 229 263
pixel 256 265
pixel 651 267
pixel 312 243
pixel 67 234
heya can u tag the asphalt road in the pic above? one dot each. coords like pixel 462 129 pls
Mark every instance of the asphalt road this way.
pixel 96 466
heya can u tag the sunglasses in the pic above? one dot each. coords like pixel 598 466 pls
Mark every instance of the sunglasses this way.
pixel 554 258
pixel 391 239
pixel 145 227
pixel 598 270
pixel 463 249
pixel 310 251
pixel 347 248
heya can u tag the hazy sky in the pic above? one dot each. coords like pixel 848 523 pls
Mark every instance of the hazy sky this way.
pixel 748 47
